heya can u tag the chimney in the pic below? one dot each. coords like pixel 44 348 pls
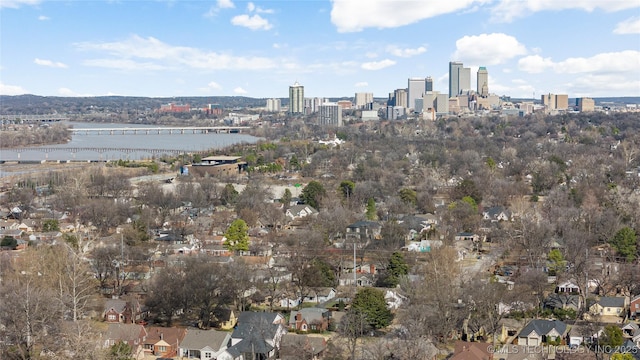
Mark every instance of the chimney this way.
pixel 161 336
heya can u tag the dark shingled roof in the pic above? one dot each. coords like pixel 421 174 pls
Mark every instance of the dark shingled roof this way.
pixel 543 327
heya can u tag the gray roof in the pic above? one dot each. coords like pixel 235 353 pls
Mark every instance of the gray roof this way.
pixel 125 332
pixel 561 301
pixel 115 304
pixel 256 322
pixel 312 315
pixel 293 344
pixel 252 344
pixel 196 339
pixel 364 224
pixel 608 301
pixel 543 327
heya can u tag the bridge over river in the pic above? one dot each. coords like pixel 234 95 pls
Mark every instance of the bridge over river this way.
pixel 161 130
pixel 99 150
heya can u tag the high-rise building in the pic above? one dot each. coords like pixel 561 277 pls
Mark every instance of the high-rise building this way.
pixel 330 114
pixel 428 84
pixel 555 102
pixel 459 78
pixel 416 87
pixel 585 104
pixel 401 98
pixel 364 101
pixel 273 105
pixel 483 82
pixel 296 99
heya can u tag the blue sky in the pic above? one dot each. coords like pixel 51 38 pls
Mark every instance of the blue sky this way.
pixel 334 48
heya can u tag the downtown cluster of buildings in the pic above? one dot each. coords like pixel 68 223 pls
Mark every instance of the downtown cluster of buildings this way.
pixel 421 99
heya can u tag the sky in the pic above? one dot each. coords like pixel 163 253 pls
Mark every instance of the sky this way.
pixel 173 48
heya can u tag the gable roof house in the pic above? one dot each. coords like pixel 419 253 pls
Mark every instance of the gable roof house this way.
pixel 610 308
pixel 364 231
pixel 537 332
pixel 496 213
pixel 163 341
pixel 631 331
pixel 256 333
pixel 299 211
pixel 132 334
pixel 563 301
pixel 310 319
pixel 121 311
pixel 204 344
pixel 320 295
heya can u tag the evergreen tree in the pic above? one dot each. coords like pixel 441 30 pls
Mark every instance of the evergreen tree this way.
pixel 371 213
pixel 312 193
pixel 371 303
pixel 286 198
pixel 625 243
pixel 237 237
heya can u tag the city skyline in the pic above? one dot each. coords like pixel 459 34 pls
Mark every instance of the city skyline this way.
pixel 333 48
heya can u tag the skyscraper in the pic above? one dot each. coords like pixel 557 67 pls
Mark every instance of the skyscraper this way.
pixel 483 81
pixel 296 99
pixel 416 88
pixel 459 78
pixel 401 98
pixel 429 84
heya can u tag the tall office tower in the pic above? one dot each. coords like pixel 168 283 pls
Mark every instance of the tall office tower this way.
pixel 364 101
pixel 296 99
pixel 483 81
pixel 401 97
pixel 429 84
pixel 416 88
pixel 330 114
pixel 549 101
pixel 459 78
pixel 273 105
pixel 454 79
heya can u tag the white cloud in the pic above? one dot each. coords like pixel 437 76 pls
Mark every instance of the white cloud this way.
pixel 361 84
pixel 603 85
pixel 239 91
pixel 534 64
pixel 370 55
pixel 152 54
pixel 377 65
pixel 11 90
pixel 255 22
pixel 407 52
pixel 225 4
pixel 252 7
pixel 488 49
pixel 71 93
pixel 214 85
pixel 43 18
pixel 15 4
pixel 508 10
pixel 50 63
pixel 629 26
pixel 354 15
pixel 604 63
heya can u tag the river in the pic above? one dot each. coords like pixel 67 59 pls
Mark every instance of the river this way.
pixel 93 146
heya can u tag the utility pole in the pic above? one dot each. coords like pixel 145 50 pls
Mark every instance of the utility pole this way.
pixel 355 277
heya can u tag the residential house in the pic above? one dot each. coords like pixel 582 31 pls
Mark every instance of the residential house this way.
pixel 568 287
pixel 538 332
pixel 163 341
pixel 631 331
pixel 294 347
pixel 610 308
pixel 257 335
pixel 467 236
pixel 204 344
pixel 563 301
pixel 360 280
pixel 310 319
pixel 393 299
pixel 471 351
pixel 634 308
pixel 363 231
pixel 121 311
pixel 132 334
pixel 584 334
pixel 300 211
pixel 320 295
pixel 496 213
pixel 225 317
